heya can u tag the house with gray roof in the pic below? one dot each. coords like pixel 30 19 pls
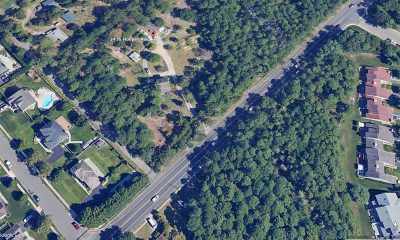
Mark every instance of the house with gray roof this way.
pixel 3 206
pixel 386 215
pixel 57 35
pixel 3 69
pixel 378 132
pixel 21 100
pixel 16 232
pixel 375 159
pixel 52 134
pixel 87 173
pixel 69 17
pixel 48 3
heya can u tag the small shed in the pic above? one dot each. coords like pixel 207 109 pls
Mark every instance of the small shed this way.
pixel 164 84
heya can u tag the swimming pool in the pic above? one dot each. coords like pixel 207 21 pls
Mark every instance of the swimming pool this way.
pixel 46 98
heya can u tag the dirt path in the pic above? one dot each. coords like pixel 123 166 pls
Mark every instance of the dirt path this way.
pixel 160 50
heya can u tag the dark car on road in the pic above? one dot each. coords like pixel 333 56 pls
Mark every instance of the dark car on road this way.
pixel 36 198
pixel 76 225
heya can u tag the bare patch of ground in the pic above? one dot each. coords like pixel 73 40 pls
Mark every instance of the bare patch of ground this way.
pixel 157 125
pixel 181 4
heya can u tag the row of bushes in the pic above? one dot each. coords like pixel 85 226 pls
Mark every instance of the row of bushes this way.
pixel 94 216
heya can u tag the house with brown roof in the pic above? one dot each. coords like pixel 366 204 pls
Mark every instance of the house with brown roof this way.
pixel 375 110
pixel 378 76
pixel 377 91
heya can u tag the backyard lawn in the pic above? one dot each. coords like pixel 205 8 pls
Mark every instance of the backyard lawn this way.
pixel 84 133
pixel 69 189
pixel 104 158
pixel 24 81
pixel 17 209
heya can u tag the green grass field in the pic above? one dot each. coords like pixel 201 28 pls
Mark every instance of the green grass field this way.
pixel 69 189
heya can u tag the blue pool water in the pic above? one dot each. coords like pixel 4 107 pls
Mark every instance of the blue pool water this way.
pixel 47 100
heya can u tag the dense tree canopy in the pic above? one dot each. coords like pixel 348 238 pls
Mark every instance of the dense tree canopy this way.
pixel 386 13
pixel 247 39
pixel 277 175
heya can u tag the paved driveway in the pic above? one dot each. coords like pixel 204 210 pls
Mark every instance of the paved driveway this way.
pixel 48 201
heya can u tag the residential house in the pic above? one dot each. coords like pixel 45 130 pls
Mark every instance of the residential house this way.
pixel 7 65
pixel 16 232
pixel 69 17
pixel 378 132
pixel 54 133
pixel 3 69
pixel 48 3
pixel 57 35
pixel 378 92
pixel 3 207
pixel 375 110
pixel 376 76
pixel 375 160
pixel 21 100
pixel 385 213
pixel 87 173
pixel 164 85
pixel 134 56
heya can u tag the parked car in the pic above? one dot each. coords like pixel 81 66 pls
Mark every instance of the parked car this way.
pixel 34 171
pixel 27 218
pixel 76 225
pixel 152 222
pixel 8 163
pixel 155 198
pixel 36 198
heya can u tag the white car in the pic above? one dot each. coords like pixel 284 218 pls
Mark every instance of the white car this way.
pixel 155 198
pixel 8 163
pixel 152 222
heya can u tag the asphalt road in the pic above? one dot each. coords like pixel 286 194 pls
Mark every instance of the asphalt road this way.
pixel 169 181
pixel 48 201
